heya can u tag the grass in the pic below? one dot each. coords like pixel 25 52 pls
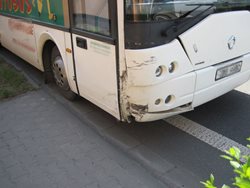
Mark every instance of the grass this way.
pixel 12 82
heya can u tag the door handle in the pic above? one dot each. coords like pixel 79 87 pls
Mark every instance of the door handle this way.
pixel 81 43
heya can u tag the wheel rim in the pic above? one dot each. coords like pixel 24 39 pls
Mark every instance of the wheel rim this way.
pixel 59 73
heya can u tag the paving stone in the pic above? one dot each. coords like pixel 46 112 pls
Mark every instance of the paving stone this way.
pixel 9 161
pixel 80 174
pixel 34 182
pixel 121 138
pixel 2 144
pixel 96 154
pixel 2 172
pixel 16 171
pixel 92 185
pixel 45 145
pixel 86 146
pixel 23 134
pixel 109 164
pixel 4 152
pixel 176 176
pixel 60 177
pixel 5 182
pixel 7 136
pixel 111 182
pixel 71 151
pixel 13 143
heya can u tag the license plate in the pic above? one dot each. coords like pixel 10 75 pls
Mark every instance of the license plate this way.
pixel 228 70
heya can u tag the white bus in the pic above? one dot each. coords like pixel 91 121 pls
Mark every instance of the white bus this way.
pixel 139 60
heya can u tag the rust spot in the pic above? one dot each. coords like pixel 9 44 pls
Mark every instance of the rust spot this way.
pixel 68 50
pixel 24 45
pixel 15 25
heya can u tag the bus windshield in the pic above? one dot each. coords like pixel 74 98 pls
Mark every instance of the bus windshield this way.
pixel 160 10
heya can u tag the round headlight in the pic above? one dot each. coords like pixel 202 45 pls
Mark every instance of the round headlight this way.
pixel 158 101
pixel 171 67
pixel 169 99
pixel 159 71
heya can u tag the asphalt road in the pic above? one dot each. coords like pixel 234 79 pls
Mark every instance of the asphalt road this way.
pixel 169 152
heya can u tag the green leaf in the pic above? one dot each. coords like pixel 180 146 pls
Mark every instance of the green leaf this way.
pixel 212 178
pixel 232 152
pixel 208 184
pixel 227 157
pixel 237 153
pixel 238 171
pixel 204 183
pixel 248 139
pixel 248 172
pixel 225 186
pixel 248 161
pixel 235 164
pixel 242 183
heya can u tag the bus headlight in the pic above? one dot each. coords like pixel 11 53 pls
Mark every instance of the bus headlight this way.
pixel 172 67
pixel 158 102
pixel 169 99
pixel 159 71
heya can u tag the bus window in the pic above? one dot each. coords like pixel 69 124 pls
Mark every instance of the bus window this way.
pixel 92 15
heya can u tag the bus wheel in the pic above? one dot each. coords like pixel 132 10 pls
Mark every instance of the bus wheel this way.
pixel 59 73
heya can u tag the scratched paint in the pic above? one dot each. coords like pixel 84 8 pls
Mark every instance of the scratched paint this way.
pixel 49 11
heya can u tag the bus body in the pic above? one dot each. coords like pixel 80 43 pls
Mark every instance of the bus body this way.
pixel 136 59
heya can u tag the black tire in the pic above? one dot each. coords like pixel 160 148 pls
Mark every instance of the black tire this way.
pixel 59 75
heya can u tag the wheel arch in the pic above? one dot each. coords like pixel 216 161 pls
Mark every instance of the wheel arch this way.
pixel 46 43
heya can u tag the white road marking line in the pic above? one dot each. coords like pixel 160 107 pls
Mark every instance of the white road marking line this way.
pixel 206 135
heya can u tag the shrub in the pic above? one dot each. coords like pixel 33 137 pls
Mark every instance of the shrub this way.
pixel 241 168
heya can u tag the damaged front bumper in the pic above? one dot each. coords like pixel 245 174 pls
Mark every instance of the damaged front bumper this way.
pixel 141 114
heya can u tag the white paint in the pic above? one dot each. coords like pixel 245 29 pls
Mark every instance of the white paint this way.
pixel 206 135
pixel 182 88
pixel 144 88
pixel 207 88
pixel 211 36
pixel 96 74
pixel 142 64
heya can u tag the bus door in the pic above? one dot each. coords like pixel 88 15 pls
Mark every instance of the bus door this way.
pixel 93 35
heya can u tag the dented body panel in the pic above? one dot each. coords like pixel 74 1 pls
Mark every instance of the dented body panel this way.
pixel 197 56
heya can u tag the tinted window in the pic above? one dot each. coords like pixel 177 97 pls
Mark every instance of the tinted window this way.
pixel 92 15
